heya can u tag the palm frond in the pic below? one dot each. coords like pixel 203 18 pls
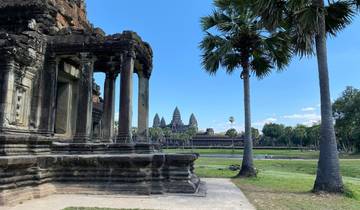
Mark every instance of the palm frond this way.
pixel 215 49
pixel 207 22
pixel 307 20
pixel 303 29
pixel 222 4
pixel 303 45
pixel 210 42
pixel 338 16
pixel 271 12
pixel 211 62
pixel 261 66
pixel 231 62
pixel 279 47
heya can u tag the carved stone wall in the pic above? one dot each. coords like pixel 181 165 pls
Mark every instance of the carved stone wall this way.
pixel 48 16
pixel 71 13
pixel 95 174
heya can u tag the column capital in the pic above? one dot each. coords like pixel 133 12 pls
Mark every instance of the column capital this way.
pixel 52 57
pixel 130 54
pixel 146 74
pixel 86 57
pixel 111 75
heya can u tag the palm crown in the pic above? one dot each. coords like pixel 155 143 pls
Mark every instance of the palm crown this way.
pixel 234 38
pixel 300 18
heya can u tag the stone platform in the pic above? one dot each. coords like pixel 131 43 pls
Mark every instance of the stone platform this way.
pixel 27 177
pixel 221 194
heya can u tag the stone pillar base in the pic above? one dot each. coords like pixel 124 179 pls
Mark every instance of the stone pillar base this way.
pixel 81 138
pixel 124 139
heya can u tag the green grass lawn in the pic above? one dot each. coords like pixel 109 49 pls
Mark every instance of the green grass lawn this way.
pixel 276 153
pixel 305 154
pixel 286 184
pixel 89 208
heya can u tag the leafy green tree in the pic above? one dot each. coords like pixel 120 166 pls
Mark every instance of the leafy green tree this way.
pixel 347 115
pixel 299 135
pixel 167 132
pixel 255 134
pixel 184 137
pixel 313 136
pixel 288 135
pixel 273 131
pixel 231 133
pixel 191 131
pixel 308 22
pixel 234 40
pixel 156 134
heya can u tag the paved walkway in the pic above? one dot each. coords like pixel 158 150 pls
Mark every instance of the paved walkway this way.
pixel 222 194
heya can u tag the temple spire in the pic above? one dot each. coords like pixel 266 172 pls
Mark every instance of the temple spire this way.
pixel 176 123
pixel 193 122
pixel 163 123
pixel 156 122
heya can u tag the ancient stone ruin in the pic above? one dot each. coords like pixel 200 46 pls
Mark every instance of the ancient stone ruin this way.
pixel 50 126
pixel 176 125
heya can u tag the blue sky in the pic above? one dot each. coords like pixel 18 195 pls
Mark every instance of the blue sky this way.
pixel 173 30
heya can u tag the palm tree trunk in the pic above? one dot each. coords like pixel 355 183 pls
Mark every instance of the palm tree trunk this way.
pixel 247 167
pixel 328 176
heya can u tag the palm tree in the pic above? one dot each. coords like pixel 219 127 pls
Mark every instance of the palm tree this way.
pixel 234 40
pixel 308 22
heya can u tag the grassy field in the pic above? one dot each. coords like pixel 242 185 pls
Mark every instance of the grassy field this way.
pixel 305 154
pixel 85 208
pixel 286 184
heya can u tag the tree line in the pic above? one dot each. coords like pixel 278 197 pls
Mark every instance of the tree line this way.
pixel 346 112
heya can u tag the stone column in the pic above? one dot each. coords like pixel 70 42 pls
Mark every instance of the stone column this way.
pixel 126 93
pixel 143 108
pixel 49 91
pixel 7 77
pixel 109 107
pixel 85 103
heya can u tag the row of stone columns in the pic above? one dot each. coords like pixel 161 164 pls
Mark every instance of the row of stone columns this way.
pixel 84 117
pixel 126 105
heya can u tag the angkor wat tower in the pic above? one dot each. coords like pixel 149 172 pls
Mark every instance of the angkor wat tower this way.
pixel 48 54
pixel 176 125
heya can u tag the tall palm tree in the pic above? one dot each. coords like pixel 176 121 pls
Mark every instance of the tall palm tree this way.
pixel 234 40
pixel 308 22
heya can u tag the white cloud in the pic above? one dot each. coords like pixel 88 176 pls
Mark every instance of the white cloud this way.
pixel 311 122
pixel 224 126
pixel 266 121
pixel 306 119
pixel 308 109
pixel 302 116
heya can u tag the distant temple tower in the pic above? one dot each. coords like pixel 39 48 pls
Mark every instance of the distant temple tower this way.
pixel 176 123
pixel 193 122
pixel 163 123
pixel 156 122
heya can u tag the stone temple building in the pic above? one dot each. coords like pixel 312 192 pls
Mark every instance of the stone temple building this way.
pixel 56 133
pixel 176 125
